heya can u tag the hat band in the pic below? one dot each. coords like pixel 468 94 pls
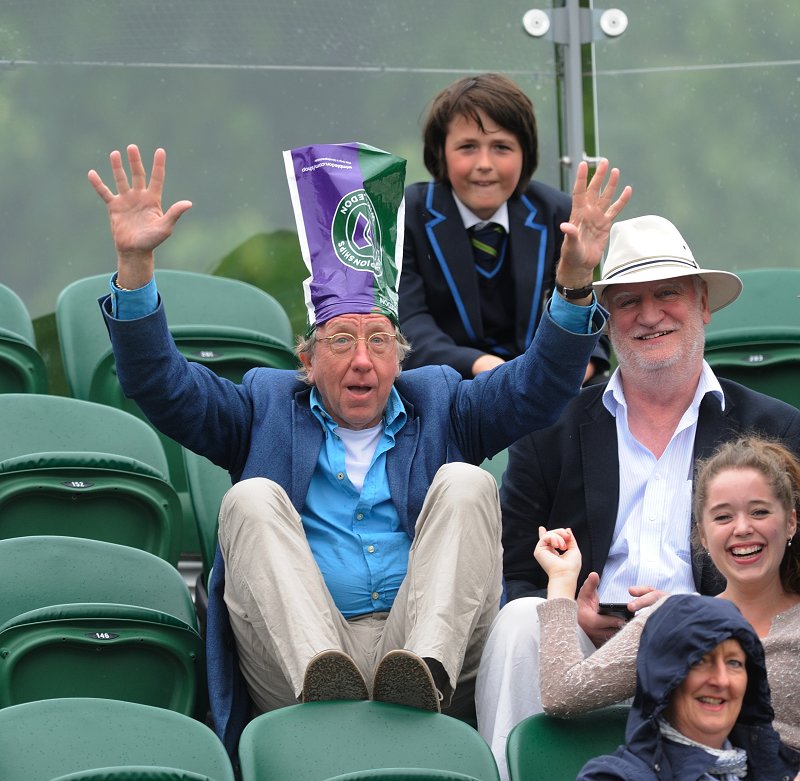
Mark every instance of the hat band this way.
pixel 635 266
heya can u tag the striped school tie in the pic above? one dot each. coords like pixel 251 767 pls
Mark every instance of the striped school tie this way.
pixel 487 245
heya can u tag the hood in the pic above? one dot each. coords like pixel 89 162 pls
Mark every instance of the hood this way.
pixel 679 633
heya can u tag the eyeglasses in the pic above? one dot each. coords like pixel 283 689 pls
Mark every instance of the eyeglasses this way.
pixel 341 344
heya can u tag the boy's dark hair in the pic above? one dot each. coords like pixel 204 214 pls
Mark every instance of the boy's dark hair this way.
pixel 501 100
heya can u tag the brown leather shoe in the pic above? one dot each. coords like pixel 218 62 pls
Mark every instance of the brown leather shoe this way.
pixel 403 678
pixel 333 675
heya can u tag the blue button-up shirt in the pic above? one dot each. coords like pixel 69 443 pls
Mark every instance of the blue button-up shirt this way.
pixel 355 536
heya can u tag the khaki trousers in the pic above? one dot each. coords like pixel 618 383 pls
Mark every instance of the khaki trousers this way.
pixel 282 613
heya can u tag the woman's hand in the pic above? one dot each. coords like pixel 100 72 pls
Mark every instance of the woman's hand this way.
pixel 559 556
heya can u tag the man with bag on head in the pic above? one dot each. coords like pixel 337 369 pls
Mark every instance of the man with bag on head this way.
pixel 359 547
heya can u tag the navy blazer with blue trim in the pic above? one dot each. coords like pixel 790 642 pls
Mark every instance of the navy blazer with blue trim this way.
pixel 440 307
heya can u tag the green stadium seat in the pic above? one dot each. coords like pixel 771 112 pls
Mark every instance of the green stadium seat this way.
pixel 496 466
pixel 208 483
pixel 22 368
pixel 320 740
pixel 228 325
pixel 84 618
pixel 76 468
pixel 756 340
pixel 48 739
pixel 544 747
pixel 131 773
pixel 403 774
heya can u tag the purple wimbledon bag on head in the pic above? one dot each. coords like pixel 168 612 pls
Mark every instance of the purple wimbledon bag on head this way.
pixel 349 209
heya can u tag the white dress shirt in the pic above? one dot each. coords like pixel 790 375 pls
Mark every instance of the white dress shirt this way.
pixel 650 546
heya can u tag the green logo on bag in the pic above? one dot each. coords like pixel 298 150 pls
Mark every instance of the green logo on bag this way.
pixel 356 233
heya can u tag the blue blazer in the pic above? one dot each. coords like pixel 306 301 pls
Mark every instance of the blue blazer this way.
pixel 264 427
pixel 440 308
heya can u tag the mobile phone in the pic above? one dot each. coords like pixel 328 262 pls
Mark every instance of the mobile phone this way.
pixel 618 609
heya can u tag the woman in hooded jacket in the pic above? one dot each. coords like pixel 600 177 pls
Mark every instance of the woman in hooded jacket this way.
pixel 702 705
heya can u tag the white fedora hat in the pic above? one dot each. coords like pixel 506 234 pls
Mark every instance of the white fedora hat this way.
pixel 649 248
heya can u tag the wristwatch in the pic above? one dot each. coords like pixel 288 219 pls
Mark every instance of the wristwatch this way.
pixel 573 293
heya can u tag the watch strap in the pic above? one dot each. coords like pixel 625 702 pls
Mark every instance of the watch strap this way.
pixel 573 293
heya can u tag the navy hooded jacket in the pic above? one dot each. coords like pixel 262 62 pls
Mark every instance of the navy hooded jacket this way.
pixel 678 634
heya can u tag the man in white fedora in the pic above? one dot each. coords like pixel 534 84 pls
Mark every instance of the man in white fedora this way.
pixel 617 466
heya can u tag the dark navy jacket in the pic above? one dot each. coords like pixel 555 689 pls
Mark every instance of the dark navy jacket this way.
pixel 679 633
pixel 264 427
pixel 440 305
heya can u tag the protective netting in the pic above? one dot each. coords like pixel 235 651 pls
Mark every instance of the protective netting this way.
pixel 333 34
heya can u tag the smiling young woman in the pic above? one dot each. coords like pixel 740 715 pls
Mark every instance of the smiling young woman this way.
pixel 745 504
